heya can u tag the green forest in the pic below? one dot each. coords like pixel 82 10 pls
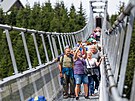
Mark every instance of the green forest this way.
pixel 39 17
pixel 49 19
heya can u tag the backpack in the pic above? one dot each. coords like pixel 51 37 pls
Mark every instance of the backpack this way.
pixel 38 98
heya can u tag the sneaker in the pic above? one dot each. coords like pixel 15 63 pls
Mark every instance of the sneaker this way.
pixel 86 97
pixel 65 96
pixel 77 98
pixel 96 91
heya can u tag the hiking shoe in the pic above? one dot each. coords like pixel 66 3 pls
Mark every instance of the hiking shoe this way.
pixel 77 98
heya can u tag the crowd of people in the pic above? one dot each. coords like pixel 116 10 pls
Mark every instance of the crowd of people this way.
pixel 72 65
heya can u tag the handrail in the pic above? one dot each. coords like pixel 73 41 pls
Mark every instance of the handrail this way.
pixel 120 18
pixel 113 86
pixel 116 44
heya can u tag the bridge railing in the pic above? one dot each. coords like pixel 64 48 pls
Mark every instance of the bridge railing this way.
pixel 41 75
pixel 116 45
pixel 41 78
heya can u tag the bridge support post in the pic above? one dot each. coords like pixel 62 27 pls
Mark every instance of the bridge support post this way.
pixel 60 44
pixel 54 46
pixel 126 52
pixel 45 50
pixel 68 40
pixel 76 38
pixel 63 41
pixel 11 51
pixel 119 53
pixel 82 36
pixel 71 42
pixel 73 38
pixel 26 50
pixel 36 46
pixel 50 43
pixel 116 46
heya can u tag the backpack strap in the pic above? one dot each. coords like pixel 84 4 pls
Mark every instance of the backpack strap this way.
pixel 62 59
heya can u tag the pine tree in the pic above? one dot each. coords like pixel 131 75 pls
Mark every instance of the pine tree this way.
pixel 56 21
pixel 6 68
pixel 64 18
pixel 35 17
pixel 11 16
pixel 23 17
pixel 81 18
pixel 47 14
pixel 72 19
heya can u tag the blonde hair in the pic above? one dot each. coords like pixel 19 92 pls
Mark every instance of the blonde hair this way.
pixel 93 47
pixel 89 52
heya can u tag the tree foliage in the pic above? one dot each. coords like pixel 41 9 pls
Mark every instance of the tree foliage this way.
pixel 40 17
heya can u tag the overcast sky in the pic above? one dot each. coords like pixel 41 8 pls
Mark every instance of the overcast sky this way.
pixel 112 4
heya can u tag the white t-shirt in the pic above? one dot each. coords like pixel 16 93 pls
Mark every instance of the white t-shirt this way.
pixel 91 63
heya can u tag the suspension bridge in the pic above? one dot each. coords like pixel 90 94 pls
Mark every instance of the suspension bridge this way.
pixel 44 78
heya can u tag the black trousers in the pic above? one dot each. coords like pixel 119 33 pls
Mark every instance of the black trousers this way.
pixel 95 78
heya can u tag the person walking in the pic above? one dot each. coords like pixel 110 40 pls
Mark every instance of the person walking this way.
pixel 66 72
pixel 92 64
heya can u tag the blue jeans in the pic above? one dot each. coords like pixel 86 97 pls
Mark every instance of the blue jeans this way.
pixel 68 78
pixel 81 78
pixel 90 85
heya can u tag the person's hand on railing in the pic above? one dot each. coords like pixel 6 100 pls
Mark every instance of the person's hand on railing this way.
pixel 101 59
pixel 55 60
